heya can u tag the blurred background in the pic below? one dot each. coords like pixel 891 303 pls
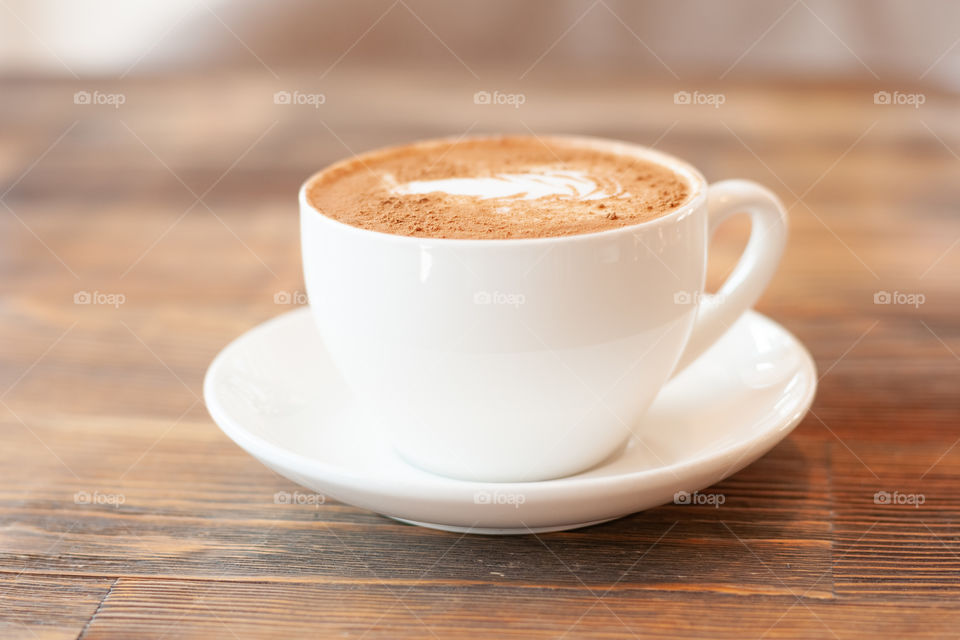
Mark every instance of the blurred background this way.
pixel 772 40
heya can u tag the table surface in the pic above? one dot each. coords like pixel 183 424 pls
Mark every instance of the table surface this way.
pixel 125 511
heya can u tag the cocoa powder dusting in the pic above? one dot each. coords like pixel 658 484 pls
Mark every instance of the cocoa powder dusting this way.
pixel 360 192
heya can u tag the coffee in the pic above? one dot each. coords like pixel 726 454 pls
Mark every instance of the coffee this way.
pixel 496 187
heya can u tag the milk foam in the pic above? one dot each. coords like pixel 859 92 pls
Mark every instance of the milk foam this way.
pixel 572 184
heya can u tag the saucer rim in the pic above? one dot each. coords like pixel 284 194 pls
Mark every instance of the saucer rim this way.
pixel 441 489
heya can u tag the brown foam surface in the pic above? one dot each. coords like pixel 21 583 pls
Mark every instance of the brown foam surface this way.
pixel 368 191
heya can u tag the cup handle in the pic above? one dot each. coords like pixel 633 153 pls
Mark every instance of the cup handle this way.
pixel 768 235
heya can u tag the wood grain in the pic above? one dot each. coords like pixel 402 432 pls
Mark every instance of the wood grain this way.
pixel 37 606
pixel 124 512
pixel 173 608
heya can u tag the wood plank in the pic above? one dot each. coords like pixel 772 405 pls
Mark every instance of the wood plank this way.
pixel 48 607
pixel 185 609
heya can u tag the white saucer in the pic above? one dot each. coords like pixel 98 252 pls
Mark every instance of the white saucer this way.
pixel 276 394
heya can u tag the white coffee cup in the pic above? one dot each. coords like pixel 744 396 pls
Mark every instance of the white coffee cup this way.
pixel 530 359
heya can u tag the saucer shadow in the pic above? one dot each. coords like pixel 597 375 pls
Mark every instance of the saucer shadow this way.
pixel 733 539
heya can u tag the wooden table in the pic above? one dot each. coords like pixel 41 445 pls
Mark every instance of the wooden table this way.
pixel 125 512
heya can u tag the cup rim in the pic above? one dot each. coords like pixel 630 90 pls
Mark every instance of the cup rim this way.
pixel 693 177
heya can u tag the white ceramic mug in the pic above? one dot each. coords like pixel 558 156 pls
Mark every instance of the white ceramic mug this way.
pixel 530 359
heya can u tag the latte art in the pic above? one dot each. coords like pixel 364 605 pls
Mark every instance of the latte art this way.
pixel 497 187
pixel 534 185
